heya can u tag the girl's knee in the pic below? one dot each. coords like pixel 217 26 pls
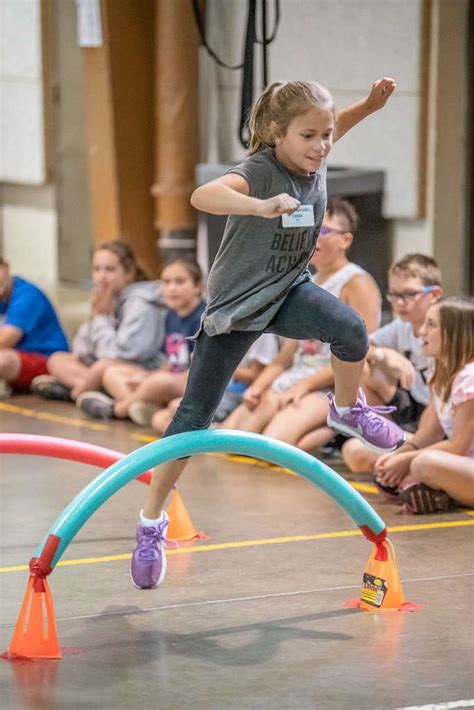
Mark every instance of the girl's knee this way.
pixel 358 457
pixel 58 360
pixel 9 363
pixel 102 364
pixel 161 420
pixel 352 341
pixel 423 466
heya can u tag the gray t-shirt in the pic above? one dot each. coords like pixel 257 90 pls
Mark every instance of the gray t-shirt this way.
pixel 259 261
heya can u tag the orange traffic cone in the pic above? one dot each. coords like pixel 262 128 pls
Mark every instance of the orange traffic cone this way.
pixel 381 586
pixel 35 632
pixel 181 526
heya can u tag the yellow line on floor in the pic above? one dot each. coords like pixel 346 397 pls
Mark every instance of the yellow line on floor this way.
pixel 255 543
pixel 144 438
pixel 364 487
pixel 46 416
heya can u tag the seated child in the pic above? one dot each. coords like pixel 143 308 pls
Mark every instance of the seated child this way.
pixel 434 470
pixel 287 401
pixel 126 323
pixel 29 332
pixel 259 355
pixel 396 364
pixel 135 392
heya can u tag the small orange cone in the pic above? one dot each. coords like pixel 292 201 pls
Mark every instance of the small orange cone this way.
pixel 181 526
pixel 381 586
pixel 35 632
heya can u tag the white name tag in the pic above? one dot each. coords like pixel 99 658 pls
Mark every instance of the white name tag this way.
pixel 302 217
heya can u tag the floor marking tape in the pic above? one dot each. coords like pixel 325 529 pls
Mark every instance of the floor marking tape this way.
pixel 58 418
pixel 442 706
pixel 253 543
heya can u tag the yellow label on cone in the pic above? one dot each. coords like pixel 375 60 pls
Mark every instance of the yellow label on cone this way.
pixel 373 590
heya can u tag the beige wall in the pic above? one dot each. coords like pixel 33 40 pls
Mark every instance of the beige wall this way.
pixel 418 140
pixel 28 222
pixel 347 44
pixel 29 227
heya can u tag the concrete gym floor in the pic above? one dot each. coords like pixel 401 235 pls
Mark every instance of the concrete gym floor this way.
pixel 259 625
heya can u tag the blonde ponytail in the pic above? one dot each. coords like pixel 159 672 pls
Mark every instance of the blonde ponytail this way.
pixel 260 119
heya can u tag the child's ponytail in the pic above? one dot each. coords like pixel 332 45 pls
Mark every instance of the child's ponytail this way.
pixel 260 119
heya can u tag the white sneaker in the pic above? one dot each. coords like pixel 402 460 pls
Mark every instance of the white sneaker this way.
pixel 142 413
pixel 5 389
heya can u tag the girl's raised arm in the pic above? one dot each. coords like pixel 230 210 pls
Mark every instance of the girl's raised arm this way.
pixel 377 98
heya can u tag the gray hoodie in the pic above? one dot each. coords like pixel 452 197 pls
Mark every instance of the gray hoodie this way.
pixel 134 332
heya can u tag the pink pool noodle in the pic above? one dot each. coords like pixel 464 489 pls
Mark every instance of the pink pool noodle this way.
pixel 69 449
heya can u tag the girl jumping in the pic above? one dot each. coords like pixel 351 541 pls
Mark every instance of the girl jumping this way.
pixel 259 281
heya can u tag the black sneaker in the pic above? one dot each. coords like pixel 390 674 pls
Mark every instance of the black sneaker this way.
pixel 390 492
pixel 49 387
pixel 333 447
pixel 421 499
pixel 96 405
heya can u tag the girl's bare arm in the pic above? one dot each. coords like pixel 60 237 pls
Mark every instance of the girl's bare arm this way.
pixel 352 115
pixel 229 194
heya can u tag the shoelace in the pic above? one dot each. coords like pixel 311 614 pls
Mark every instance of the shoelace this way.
pixel 374 423
pixel 148 541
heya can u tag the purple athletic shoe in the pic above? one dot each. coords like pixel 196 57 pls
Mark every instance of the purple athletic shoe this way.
pixel 367 424
pixel 148 567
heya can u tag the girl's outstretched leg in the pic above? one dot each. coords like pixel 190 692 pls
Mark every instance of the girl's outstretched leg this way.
pixel 148 567
pixel 213 364
pixel 311 312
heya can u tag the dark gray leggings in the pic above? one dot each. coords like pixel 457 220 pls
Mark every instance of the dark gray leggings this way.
pixel 309 312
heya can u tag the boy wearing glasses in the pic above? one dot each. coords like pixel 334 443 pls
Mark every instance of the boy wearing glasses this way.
pixel 397 369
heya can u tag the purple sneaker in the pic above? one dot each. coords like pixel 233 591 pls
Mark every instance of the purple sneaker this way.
pixel 148 567
pixel 367 424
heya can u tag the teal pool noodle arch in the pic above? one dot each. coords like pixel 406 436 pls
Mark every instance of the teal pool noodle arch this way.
pixel 101 488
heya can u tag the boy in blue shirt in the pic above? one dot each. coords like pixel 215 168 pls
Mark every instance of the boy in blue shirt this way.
pixel 29 332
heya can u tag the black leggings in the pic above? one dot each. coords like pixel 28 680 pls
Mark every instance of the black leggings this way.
pixel 308 312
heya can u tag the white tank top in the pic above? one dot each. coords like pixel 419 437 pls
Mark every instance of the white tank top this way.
pixel 336 282
pixel 313 355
